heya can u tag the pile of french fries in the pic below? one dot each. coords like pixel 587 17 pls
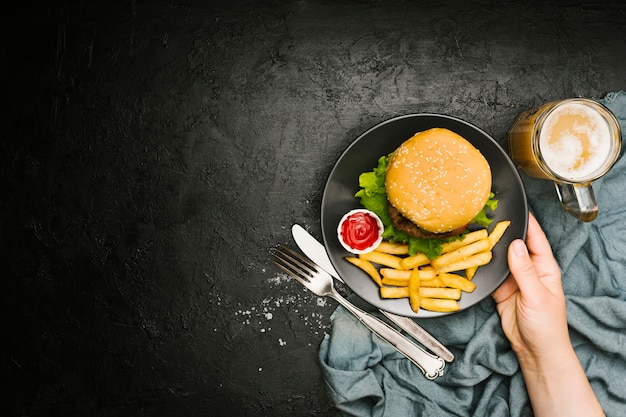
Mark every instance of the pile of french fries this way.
pixel 430 284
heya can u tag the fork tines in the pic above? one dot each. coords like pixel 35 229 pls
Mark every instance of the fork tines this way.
pixel 293 263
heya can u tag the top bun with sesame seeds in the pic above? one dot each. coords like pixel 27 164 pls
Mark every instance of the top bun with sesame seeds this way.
pixel 436 183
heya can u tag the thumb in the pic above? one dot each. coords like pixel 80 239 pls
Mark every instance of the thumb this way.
pixel 522 268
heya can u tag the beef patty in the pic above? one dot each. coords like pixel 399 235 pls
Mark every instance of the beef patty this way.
pixel 407 226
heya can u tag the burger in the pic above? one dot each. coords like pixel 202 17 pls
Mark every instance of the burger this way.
pixel 429 190
pixel 436 184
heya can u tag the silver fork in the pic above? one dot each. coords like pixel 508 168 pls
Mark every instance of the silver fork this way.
pixel 321 284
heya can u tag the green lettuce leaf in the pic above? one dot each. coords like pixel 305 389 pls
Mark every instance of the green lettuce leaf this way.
pixel 482 218
pixel 372 193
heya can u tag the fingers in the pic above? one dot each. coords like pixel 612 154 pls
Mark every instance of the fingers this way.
pixel 532 264
pixel 522 268
pixel 536 239
pixel 508 288
pixel 541 255
pixel 520 263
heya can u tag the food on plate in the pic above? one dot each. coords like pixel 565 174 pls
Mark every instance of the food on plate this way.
pixel 436 183
pixel 382 258
pixel 437 284
pixel 479 259
pixel 461 253
pixel 428 194
pixel 439 304
pixel 368 267
pixel 393 249
pixel 429 190
pixel 415 289
pixel 497 233
pixel 457 281
pixel 394 292
pixel 471 237
pixel 360 231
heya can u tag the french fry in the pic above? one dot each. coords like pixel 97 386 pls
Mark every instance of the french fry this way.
pixel 393 248
pixel 367 267
pixel 469 238
pixel 427 272
pixel 414 290
pixel 461 253
pixel 424 273
pixel 440 292
pixel 433 282
pixel 414 261
pixel 396 281
pixel 400 277
pixel 394 292
pixel 396 277
pixel 470 272
pixel 395 273
pixel 457 281
pixel 479 259
pixel 497 232
pixel 439 305
pixel 382 258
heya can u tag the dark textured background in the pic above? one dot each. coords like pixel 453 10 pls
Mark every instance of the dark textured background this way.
pixel 152 152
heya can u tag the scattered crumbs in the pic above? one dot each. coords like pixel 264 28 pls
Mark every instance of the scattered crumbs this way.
pixel 278 279
pixel 296 302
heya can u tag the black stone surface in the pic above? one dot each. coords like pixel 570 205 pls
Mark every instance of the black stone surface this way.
pixel 152 152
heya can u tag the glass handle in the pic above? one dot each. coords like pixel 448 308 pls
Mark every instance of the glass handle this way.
pixel 578 200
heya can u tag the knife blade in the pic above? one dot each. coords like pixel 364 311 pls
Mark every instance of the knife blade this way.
pixel 316 251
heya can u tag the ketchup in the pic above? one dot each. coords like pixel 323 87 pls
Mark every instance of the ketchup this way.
pixel 360 230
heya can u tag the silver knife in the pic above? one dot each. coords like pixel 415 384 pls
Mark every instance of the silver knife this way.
pixel 312 248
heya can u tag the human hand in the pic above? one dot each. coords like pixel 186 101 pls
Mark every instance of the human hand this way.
pixel 531 302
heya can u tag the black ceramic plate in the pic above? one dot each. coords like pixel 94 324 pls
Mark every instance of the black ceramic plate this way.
pixel 362 155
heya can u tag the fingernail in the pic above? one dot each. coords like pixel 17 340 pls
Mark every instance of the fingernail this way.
pixel 519 248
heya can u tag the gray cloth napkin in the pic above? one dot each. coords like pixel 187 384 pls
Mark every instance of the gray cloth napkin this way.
pixel 367 377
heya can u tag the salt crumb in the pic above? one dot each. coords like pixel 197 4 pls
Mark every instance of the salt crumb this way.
pixel 295 302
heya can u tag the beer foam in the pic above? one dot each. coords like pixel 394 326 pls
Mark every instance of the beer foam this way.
pixel 575 142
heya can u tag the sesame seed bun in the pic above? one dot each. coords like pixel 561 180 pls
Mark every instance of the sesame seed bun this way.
pixel 438 180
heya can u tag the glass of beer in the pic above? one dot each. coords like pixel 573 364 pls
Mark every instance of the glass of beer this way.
pixel 571 142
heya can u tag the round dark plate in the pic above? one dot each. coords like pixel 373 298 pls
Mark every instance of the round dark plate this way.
pixel 362 156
